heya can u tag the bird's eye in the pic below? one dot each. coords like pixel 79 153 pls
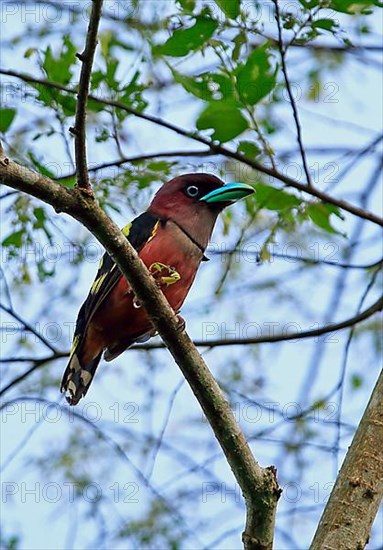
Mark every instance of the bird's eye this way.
pixel 192 191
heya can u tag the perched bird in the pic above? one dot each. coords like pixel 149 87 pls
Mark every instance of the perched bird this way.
pixel 171 238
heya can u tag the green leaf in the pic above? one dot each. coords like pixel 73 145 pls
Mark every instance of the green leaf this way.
pixel 29 52
pixel 229 7
pixel 43 272
pixel 223 87
pixel 225 118
pixel 184 41
pixel 40 216
pixel 319 404
pixel 58 68
pixel 309 4
pixel 239 41
pixel 187 5
pixel 256 78
pixel 105 40
pixel 14 239
pixel 6 118
pixel 96 79
pixel 160 166
pixel 354 7
pixel 326 24
pixel 356 381
pixel 249 149
pixel 320 213
pixel 206 86
pixel 41 221
pixel 95 106
pixel 196 85
pixel 40 167
pixel 275 199
pixel 68 104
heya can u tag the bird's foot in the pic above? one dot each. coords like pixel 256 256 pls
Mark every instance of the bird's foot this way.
pixel 181 323
pixel 164 275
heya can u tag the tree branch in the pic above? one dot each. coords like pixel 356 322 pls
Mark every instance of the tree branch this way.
pixel 37 363
pixel 139 158
pixel 282 50
pixel 79 130
pixel 259 486
pixel 374 308
pixel 28 327
pixel 215 148
pixel 358 490
pixel 294 258
pixel 41 361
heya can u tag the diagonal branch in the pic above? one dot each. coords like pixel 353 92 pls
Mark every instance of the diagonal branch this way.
pixel 353 321
pixel 28 327
pixel 259 485
pixel 79 130
pixel 282 50
pixel 295 258
pixel 139 158
pixel 37 363
pixel 214 148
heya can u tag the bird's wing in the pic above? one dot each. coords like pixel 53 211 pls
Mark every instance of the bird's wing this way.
pixel 138 232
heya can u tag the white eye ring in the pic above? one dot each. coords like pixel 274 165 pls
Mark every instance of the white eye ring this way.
pixel 192 191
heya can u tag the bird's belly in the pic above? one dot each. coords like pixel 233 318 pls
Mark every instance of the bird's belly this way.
pixel 120 317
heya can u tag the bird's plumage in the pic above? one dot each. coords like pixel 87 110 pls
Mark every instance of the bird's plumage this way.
pixel 170 237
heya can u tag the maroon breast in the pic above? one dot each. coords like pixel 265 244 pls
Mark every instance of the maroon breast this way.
pixel 118 316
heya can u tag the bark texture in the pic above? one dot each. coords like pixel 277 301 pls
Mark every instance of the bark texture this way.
pixel 354 501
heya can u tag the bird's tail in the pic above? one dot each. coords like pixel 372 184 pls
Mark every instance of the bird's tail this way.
pixel 77 378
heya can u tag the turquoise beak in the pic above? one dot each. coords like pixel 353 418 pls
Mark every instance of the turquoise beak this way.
pixel 231 192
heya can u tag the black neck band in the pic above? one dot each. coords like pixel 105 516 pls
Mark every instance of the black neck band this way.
pixel 204 258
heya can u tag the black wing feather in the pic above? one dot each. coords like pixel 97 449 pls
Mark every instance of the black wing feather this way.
pixel 108 274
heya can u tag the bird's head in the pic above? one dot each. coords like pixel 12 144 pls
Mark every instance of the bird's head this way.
pixel 194 201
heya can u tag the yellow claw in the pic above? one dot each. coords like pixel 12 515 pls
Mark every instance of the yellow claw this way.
pixel 172 276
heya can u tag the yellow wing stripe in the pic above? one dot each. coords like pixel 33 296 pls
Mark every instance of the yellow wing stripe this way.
pixel 97 284
pixel 126 229
pixel 155 229
pixel 74 345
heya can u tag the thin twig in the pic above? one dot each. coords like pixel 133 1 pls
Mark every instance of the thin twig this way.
pixel 155 25
pixel 344 367
pixel 292 259
pixel 164 426
pixel 79 130
pixel 215 148
pixel 370 146
pixel 171 508
pixel 374 308
pixel 282 51
pixel 138 158
pixel 20 446
pixel 335 301
pixel 377 306
pixel 37 363
pixel 7 194
pixel 28 327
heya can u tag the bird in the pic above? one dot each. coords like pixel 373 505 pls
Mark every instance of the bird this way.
pixel 170 237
